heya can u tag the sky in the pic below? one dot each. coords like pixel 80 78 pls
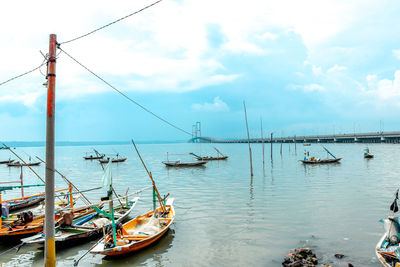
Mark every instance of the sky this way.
pixel 302 67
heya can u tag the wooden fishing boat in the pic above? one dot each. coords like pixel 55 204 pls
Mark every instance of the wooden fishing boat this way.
pixel 91 157
pixel 28 225
pixel 388 247
pixel 209 157
pixel 19 164
pixel 113 160
pixel 6 161
pixel 178 163
pixel 367 154
pixel 24 203
pixel 138 233
pixel 85 228
pixel 320 161
pixel 386 254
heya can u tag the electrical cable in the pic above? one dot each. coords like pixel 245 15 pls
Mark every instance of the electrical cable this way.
pixel 111 23
pixel 124 95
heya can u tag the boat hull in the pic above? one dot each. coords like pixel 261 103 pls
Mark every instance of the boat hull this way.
pixel 183 164
pixel 136 242
pixel 322 161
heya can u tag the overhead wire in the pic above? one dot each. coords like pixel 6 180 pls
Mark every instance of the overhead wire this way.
pixel 124 95
pixel 25 73
pixel 111 23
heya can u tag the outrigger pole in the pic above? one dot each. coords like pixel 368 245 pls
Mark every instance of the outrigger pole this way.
pixel 50 250
pixel 160 200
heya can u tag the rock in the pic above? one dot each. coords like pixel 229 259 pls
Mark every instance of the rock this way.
pixel 351 265
pixel 339 256
pixel 326 265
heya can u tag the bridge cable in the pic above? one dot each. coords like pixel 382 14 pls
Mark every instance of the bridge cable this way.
pixel 111 23
pixel 124 95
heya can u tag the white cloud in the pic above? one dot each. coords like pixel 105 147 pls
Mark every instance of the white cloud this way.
pixel 396 53
pixel 317 70
pixel 313 87
pixel 163 47
pixel 267 36
pixel 217 105
pixel 336 68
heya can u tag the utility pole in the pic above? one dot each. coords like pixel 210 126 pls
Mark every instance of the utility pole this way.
pixel 50 249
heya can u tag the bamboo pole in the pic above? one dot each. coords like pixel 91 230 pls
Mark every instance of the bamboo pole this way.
pixel 248 139
pixel 151 178
pixel 271 144
pixel 68 182
pixel 262 141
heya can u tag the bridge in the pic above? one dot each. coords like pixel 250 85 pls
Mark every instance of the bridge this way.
pixel 372 137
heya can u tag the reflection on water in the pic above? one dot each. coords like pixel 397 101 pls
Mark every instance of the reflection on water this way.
pixel 223 216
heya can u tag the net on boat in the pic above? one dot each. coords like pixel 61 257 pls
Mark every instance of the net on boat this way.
pixel 148 226
pixel 100 222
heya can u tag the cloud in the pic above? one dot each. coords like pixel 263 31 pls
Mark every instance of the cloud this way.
pixel 385 88
pixel 217 106
pixel 313 87
pixel 396 53
pixel 267 36
pixel 336 68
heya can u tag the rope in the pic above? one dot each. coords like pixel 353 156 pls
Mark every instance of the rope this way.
pixel 111 23
pixel 124 95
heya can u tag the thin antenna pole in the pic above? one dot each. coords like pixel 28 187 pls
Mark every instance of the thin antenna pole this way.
pixel 50 250
pixel 248 139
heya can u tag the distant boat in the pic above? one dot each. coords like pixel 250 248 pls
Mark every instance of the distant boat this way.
pixel 178 163
pixel 314 160
pixel 19 164
pixel 97 156
pixel 91 157
pixel 320 161
pixel 306 144
pixel 6 161
pixel 112 160
pixel 220 157
pixel 367 154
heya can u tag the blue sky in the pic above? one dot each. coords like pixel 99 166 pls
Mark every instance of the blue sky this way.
pixel 313 67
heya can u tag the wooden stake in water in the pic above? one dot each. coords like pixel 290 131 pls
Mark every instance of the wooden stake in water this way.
pixel 271 145
pixel 248 139
pixel 262 141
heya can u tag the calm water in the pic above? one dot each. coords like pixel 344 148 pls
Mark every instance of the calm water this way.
pixel 225 218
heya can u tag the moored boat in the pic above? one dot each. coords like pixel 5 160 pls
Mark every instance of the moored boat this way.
pixel 178 163
pixel 388 247
pixel 320 161
pixel 367 154
pixel 6 161
pixel 314 160
pixel 138 233
pixel 113 160
pixel 19 164
pixel 85 228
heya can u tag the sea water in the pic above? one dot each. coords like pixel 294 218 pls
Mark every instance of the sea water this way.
pixel 225 217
